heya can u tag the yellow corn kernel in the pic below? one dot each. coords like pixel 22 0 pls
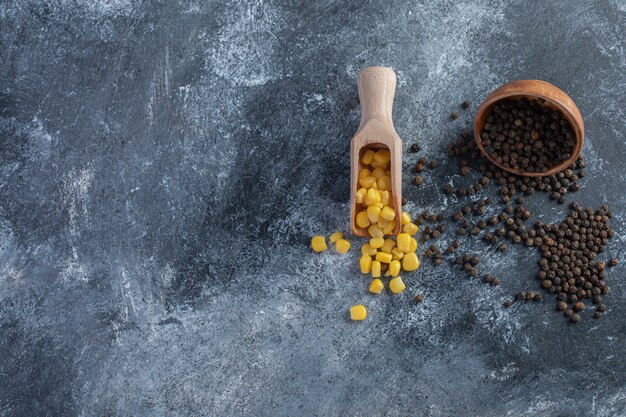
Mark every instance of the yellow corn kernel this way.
pixel 358 312
pixel 410 262
pixel 362 220
pixel 382 223
pixel 377 242
pixel 373 213
pixel 372 197
pixel 366 264
pixel 375 231
pixel 413 245
pixel 404 242
pixel 387 273
pixel 360 195
pixel 374 186
pixel 383 257
pixel 378 173
pixel 410 228
pixel 397 254
pixel 342 246
pixel 367 182
pixel 382 156
pixel 384 183
pixel 385 198
pixel 366 249
pixel 367 157
pixel 375 164
pixel 406 218
pixel 379 205
pixel 365 173
pixel 335 237
pixel 388 213
pixel 394 268
pixel 318 243
pixel 376 286
pixel 376 269
pixel 396 285
pixel 390 228
pixel 388 245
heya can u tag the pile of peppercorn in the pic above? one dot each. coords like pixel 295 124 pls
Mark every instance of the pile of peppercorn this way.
pixel 557 243
pixel 526 135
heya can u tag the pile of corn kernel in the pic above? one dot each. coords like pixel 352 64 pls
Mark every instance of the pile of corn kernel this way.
pixel 380 257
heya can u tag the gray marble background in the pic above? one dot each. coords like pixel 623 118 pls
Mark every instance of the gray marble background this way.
pixel 164 164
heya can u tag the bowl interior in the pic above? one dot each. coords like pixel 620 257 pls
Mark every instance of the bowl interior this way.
pixel 486 108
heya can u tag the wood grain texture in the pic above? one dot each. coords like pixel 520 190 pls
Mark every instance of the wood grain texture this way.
pixel 555 98
pixel 377 87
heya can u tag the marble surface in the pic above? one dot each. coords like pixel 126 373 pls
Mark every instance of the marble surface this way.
pixel 163 165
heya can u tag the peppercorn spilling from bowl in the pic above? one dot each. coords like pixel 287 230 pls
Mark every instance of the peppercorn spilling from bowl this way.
pixel 527 136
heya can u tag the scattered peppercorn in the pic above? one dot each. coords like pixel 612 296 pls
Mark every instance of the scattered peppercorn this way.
pixel 614 262
pixel 419 298
pixel 418 181
pixel 415 147
pixel 453 115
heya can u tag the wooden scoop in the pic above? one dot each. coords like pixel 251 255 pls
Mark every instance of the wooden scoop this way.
pixel 377 87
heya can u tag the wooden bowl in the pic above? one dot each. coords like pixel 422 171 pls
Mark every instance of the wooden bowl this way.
pixel 554 97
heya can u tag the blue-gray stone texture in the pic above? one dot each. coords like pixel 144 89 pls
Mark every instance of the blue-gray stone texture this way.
pixel 163 165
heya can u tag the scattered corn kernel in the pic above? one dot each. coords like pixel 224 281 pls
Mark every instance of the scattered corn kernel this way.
pixel 384 183
pixel 368 182
pixel 376 286
pixel 413 245
pixel 376 268
pixel 383 257
pixel 373 213
pixel 366 264
pixel 375 231
pixel 394 268
pixel 382 156
pixel 406 218
pixel 335 237
pixel 403 242
pixel 366 249
pixel 318 243
pixel 410 228
pixel 388 245
pixel 377 242
pixel 362 220
pixel 410 262
pixel 360 195
pixel 342 246
pixel 388 213
pixel 397 253
pixel 387 273
pixel 358 312
pixel 378 173
pixel 365 173
pixel 396 285
pixel 372 197
pixel 368 157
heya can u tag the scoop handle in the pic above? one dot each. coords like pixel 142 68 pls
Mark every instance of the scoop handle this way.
pixel 377 88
